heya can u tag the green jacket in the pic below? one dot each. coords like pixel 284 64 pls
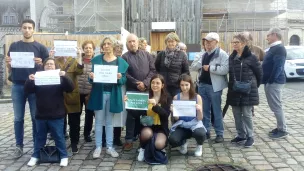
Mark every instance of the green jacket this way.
pixel 96 97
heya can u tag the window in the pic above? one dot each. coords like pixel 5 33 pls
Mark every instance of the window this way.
pixel 12 20
pixel 5 20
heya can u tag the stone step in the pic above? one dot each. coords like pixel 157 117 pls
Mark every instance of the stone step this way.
pixel 5 100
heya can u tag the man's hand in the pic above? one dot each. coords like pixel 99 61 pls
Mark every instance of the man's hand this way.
pixel 32 77
pixel 141 86
pixel 8 60
pixel 52 53
pixel 38 60
pixel 206 67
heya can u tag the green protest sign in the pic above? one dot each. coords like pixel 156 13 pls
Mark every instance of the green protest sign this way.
pixel 137 101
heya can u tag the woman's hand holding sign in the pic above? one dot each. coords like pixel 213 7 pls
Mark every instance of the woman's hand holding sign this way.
pixel 119 76
pixel 91 75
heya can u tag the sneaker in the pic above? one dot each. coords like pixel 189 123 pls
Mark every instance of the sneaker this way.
pixel 238 140
pixel 279 134
pixel 141 155
pixel 112 152
pixel 249 142
pixel 97 152
pixel 183 148
pixel 64 162
pixel 128 146
pixel 117 142
pixel 74 148
pixel 88 138
pixel 199 151
pixel 18 152
pixel 274 131
pixel 33 161
pixel 219 139
pixel 207 136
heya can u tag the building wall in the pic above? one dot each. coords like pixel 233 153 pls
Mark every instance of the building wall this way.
pixel 139 14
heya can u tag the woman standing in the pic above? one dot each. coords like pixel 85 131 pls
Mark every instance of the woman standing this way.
pixel 106 99
pixel 244 67
pixel 187 127
pixel 85 87
pixel 172 63
pixel 50 112
pixel 159 109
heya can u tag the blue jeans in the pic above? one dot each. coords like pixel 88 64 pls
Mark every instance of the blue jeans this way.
pixel 55 127
pixel 215 99
pixel 100 117
pixel 19 100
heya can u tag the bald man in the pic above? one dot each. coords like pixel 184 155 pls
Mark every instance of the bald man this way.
pixel 141 69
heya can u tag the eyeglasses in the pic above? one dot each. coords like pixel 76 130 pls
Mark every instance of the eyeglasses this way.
pixel 236 42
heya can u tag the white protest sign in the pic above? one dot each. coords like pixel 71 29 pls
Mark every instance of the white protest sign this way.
pixel 123 38
pixel 50 77
pixel 22 59
pixel 105 74
pixel 65 48
pixel 184 108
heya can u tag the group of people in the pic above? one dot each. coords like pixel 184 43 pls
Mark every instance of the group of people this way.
pixel 165 78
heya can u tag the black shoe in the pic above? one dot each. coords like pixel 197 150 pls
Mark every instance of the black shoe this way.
pixel 219 139
pixel 274 131
pixel 238 140
pixel 74 148
pixel 207 136
pixel 249 142
pixel 117 142
pixel 88 139
pixel 279 134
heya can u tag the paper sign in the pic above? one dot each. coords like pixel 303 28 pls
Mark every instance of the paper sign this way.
pixel 50 77
pixel 137 101
pixel 22 59
pixel 184 108
pixel 105 74
pixel 65 48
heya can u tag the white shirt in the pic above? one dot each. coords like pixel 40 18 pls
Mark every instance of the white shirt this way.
pixel 275 43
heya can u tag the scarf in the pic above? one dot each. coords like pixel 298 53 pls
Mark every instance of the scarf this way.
pixel 169 55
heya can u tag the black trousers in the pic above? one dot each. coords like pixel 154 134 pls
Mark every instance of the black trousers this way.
pixel 74 123
pixel 89 116
pixel 178 137
pixel 133 120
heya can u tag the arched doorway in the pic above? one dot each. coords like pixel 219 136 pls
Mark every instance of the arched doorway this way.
pixel 294 40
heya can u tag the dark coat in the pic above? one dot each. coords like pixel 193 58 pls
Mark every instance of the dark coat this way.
pixel 251 70
pixel 49 98
pixel 179 65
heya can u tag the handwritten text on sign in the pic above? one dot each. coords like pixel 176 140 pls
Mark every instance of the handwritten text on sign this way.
pixel 22 59
pixel 105 74
pixel 65 48
pixel 137 101
pixel 50 77
pixel 184 108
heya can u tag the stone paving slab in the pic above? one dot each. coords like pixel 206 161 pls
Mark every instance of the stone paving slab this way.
pixel 267 154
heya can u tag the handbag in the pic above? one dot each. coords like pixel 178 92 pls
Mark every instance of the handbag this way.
pixel 146 120
pixel 49 154
pixel 241 86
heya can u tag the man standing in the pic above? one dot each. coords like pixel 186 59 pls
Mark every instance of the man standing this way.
pixel 274 80
pixel 18 78
pixel 213 67
pixel 141 69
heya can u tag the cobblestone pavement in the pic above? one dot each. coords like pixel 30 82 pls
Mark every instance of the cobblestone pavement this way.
pixel 266 154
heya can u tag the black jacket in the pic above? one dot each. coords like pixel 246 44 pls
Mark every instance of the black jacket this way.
pixel 251 70
pixel 179 66
pixel 49 98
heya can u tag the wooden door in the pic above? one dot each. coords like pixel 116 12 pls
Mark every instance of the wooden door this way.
pixel 157 40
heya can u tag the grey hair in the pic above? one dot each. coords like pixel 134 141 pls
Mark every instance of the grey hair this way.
pixel 111 38
pixel 181 45
pixel 248 36
pixel 132 34
pixel 118 44
pixel 142 39
pixel 172 36
pixel 276 31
